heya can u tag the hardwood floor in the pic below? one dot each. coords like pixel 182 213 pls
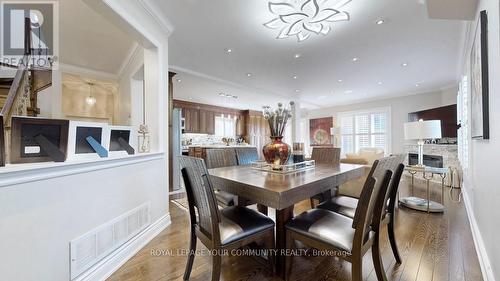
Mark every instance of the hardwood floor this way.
pixel 434 247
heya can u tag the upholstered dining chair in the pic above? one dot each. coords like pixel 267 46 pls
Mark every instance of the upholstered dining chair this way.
pixel 222 157
pixel 346 205
pixel 349 238
pixel 246 155
pixel 219 230
pixel 324 155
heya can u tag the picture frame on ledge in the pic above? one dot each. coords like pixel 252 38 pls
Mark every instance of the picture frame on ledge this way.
pixel 480 80
pixel 122 140
pixel 38 140
pixel 87 140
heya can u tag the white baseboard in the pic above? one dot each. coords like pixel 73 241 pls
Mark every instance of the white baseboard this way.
pixel 482 255
pixel 107 266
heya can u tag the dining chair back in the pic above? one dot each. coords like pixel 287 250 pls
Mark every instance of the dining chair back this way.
pixel 246 155
pixel 230 228
pixel 326 155
pixel 325 229
pixel 220 157
pixel 201 196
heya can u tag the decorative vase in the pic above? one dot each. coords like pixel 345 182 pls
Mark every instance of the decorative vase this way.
pixel 276 152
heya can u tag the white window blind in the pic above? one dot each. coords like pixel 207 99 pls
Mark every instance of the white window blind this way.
pixel 463 119
pixel 361 129
pixel 225 127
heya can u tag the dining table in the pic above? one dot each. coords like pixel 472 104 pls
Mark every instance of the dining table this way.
pixel 281 191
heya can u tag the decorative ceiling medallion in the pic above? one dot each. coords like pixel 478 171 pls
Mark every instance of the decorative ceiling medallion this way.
pixel 301 18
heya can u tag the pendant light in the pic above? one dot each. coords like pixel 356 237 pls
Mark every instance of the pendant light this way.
pixel 90 100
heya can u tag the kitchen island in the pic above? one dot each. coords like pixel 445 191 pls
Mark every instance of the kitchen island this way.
pixel 199 151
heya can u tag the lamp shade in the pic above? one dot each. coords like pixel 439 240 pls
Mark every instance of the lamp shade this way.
pixel 423 130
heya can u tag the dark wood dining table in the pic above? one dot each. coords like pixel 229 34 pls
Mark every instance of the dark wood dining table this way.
pixel 282 191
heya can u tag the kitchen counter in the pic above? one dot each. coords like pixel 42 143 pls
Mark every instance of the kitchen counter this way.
pixel 220 146
pixel 199 151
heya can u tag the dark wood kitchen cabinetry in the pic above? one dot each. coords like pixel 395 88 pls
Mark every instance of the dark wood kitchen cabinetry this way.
pixel 207 122
pixel 192 120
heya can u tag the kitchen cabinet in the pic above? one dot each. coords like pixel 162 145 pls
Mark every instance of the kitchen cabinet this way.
pixel 207 122
pixel 192 120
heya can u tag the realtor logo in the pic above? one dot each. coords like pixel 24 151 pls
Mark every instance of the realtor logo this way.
pixel 33 22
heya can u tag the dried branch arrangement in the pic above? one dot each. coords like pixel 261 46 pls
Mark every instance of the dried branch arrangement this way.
pixel 277 118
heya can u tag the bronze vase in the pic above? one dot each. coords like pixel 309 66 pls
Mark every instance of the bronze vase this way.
pixel 276 152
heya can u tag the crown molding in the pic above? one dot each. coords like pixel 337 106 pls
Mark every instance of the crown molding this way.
pixel 154 11
pixel 91 73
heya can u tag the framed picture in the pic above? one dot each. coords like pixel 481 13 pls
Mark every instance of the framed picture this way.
pixel 480 80
pixel 319 131
pixel 78 146
pixel 2 143
pixel 38 140
pixel 122 140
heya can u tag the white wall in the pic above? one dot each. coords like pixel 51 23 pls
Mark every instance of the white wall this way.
pixel 128 91
pixel 481 187
pixel 38 219
pixel 400 107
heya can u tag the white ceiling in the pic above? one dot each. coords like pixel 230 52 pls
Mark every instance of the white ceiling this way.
pixel 204 29
pixel 88 40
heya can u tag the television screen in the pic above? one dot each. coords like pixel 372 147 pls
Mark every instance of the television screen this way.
pixel 447 115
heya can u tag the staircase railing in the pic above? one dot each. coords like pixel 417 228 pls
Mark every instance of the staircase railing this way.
pixel 22 96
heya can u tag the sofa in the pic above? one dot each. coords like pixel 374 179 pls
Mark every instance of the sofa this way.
pixel 365 157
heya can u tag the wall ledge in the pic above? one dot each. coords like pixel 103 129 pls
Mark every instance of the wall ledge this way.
pixel 13 174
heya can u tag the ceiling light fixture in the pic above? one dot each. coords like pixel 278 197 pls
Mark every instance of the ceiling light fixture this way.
pixel 297 91
pixel 404 64
pixel 340 80
pixel 355 59
pixel 295 77
pixel 417 85
pixel 380 82
pixel 249 74
pixel 380 21
pixel 228 50
pixel 179 80
pixel 224 95
pixel 90 100
pixel 296 56
pixel 302 18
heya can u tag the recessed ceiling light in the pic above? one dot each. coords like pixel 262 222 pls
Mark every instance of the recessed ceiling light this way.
pixel 179 80
pixel 295 77
pixel 355 59
pixel 404 64
pixel 349 91
pixel 380 21
pixel 297 91
pixel 249 74
pixel 380 82
pixel 340 80
pixel 417 85
pixel 228 50
pixel 296 56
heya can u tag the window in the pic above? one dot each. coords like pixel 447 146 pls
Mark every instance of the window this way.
pixel 225 126
pixel 360 129
pixel 463 119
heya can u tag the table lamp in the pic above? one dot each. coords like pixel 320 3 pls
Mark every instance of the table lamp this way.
pixel 422 130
